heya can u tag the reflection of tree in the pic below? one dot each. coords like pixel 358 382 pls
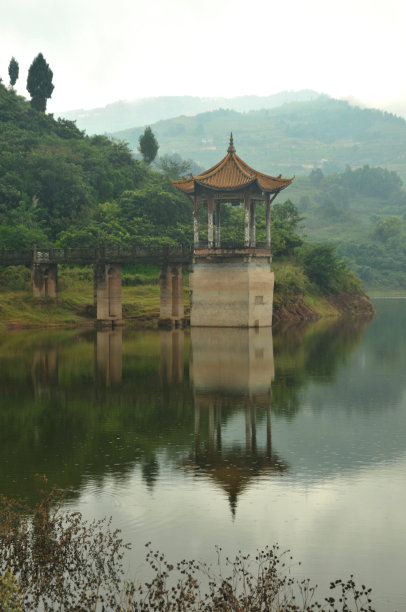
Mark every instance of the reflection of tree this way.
pixel 87 427
pixel 311 352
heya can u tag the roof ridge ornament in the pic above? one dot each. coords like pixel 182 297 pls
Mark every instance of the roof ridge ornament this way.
pixel 231 147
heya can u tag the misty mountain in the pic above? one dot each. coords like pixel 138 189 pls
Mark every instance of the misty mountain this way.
pixel 292 138
pixel 127 114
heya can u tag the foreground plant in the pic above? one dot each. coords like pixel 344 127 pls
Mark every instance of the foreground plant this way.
pixel 54 560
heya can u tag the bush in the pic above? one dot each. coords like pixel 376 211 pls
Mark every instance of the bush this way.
pixel 54 560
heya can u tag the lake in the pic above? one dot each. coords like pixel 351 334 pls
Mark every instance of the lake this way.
pixel 239 438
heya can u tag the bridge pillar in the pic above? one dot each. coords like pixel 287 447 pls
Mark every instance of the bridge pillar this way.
pixel 172 310
pixel 107 278
pixel 44 280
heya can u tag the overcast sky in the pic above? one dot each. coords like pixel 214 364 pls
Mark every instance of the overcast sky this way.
pixel 101 51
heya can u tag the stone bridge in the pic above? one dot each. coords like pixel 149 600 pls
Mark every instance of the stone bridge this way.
pixel 107 264
pixel 233 285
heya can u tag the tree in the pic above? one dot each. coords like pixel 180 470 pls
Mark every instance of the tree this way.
pixel 148 145
pixel 13 70
pixel 39 83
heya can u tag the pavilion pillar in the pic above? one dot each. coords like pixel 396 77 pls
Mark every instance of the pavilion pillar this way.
pixel 218 237
pixel 268 219
pixel 210 206
pixel 44 280
pixel 253 224
pixel 246 221
pixel 195 223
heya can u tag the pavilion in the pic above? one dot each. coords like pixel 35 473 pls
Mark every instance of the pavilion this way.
pixel 231 287
pixel 234 182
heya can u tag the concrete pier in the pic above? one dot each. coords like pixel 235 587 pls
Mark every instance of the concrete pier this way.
pixel 44 280
pixel 172 310
pixel 231 289
pixel 107 279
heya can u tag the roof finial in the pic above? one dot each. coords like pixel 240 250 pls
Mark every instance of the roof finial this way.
pixel 231 147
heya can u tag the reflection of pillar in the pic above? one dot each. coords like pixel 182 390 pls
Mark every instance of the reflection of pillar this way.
pixel 44 280
pixel 172 310
pixel 268 428
pixel 254 428
pixel 246 220
pixel 108 357
pixel 197 428
pixel 211 427
pixel 108 294
pixel 172 358
pixel 247 430
pixel 218 418
pixel 44 371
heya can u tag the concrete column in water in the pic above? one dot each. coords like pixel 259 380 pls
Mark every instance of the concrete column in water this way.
pixel 172 311
pixel 210 206
pixel 246 221
pixel 108 294
pixel 44 280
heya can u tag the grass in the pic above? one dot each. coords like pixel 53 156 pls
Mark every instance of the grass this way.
pixel 140 297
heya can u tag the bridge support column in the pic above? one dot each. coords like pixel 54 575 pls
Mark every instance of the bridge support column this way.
pixel 44 280
pixel 172 310
pixel 107 278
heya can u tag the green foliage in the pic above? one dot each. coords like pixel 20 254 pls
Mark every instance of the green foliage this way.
pixel 388 228
pixel 39 83
pixel 13 70
pixel 148 145
pixel 10 600
pixel 286 221
pixel 322 265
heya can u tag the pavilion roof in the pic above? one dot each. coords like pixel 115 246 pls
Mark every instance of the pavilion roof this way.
pixel 232 174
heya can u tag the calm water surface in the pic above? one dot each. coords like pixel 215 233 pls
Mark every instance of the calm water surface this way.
pixel 229 437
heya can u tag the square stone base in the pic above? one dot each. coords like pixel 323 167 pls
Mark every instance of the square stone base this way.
pixel 234 291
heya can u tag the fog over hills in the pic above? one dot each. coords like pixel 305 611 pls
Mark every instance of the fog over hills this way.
pixel 126 114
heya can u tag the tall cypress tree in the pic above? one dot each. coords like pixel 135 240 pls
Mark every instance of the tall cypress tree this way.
pixel 148 145
pixel 39 83
pixel 13 70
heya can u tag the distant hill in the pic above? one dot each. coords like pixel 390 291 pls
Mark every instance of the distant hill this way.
pixel 289 139
pixel 127 114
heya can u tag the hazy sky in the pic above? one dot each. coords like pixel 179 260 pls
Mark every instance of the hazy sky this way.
pixel 101 51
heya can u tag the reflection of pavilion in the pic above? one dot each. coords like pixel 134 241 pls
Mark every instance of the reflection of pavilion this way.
pixel 232 371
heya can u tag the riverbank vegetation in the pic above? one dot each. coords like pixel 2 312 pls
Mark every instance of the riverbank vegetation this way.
pixel 60 187
pixel 53 559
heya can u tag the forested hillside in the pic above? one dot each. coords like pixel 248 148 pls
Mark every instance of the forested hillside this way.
pixel 126 114
pixel 59 186
pixel 290 139
pixel 362 212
